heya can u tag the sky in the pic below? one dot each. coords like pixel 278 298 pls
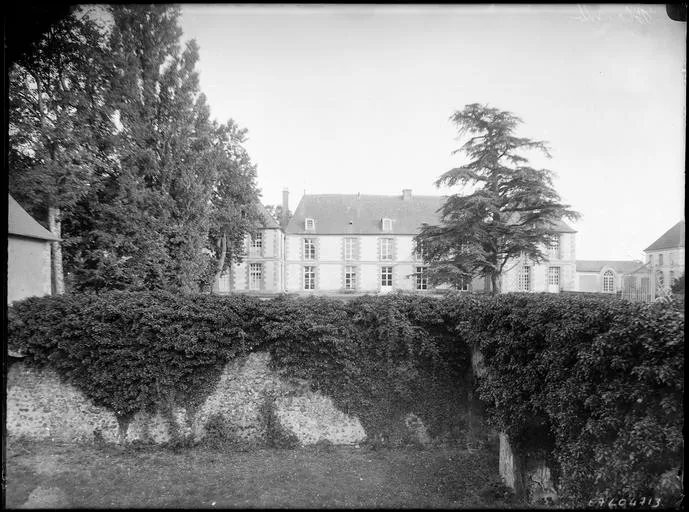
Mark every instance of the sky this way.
pixel 357 99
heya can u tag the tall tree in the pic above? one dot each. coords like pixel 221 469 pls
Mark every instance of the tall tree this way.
pixel 148 227
pixel 504 210
pixel 59 124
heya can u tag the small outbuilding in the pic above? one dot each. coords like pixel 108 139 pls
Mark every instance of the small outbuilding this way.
pixel 28 254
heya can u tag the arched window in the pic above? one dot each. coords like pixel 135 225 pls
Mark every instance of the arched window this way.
pixel 608 281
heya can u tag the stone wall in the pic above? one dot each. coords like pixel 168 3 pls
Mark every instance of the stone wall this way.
pixel 41 406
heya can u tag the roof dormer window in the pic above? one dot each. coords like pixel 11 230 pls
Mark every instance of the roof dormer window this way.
pixel 387 224
pixel 309 224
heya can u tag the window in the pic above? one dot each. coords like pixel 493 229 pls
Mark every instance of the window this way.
pixel 350 278
pixel 255 274
pixel 387 224
pixel 650 259
pixel 349 248
pixel 309 249
pixel 525 278
pixel 386 248
pixel 386 276
pixel 608 281
pixel 309 278
pixel 421 279
pixel 554 276
pixel 660 259
pixel 256 243
pixel 554 247
pixel 309 224
pixel 464 283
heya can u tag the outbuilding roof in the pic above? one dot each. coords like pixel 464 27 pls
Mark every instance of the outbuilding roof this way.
pixel 362 214
pixel 620 266
pixel 671 239
pixel 20 223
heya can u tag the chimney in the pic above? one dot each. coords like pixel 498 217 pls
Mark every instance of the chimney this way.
pixel 406 194
pixel 285 207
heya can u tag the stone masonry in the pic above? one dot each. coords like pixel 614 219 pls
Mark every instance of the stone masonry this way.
pixel 41 406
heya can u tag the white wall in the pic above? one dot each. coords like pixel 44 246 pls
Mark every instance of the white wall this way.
pixel 28 268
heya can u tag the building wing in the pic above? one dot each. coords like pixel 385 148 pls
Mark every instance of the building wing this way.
pixel 20 223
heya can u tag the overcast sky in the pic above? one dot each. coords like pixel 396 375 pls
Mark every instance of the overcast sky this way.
pixel 347 99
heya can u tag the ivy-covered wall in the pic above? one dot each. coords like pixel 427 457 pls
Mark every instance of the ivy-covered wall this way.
pixel 592 386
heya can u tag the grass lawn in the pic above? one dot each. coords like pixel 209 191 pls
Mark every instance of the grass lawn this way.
pixel 344 477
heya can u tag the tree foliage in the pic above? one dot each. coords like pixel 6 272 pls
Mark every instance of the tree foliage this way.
pixel 110 126
pixel 505 209
pixel 59 124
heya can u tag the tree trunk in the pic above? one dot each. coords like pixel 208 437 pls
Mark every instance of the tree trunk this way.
pixel 495 283
pixel 57 282
pixel 221 261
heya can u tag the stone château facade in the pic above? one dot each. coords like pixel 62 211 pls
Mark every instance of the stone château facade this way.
pixel 356 243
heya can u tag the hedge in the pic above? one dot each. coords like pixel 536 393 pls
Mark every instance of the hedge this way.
pixel 594 385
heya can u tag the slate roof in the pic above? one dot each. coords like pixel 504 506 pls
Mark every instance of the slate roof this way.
pixel 360 214
pixel 267 219
pixel 20 223
pixel 671 239
pixel 620 266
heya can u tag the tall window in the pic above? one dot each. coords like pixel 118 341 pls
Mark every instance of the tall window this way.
pixel 309 278
pixel 660 259
pixel 464 284
pixel 309 249
pixel 421 278
pixel 554 276
pixel 650 259
pixel 349 248
pixel 608 281
pixel 255 274
pixel 256 244
pixel 525 278
pixel 309 224
pixel 350 278
pixel 387 224
pixel 386 276
pixel 386 248
pixel 554 247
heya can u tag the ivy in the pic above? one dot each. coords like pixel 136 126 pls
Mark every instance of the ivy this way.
pixel 594 385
